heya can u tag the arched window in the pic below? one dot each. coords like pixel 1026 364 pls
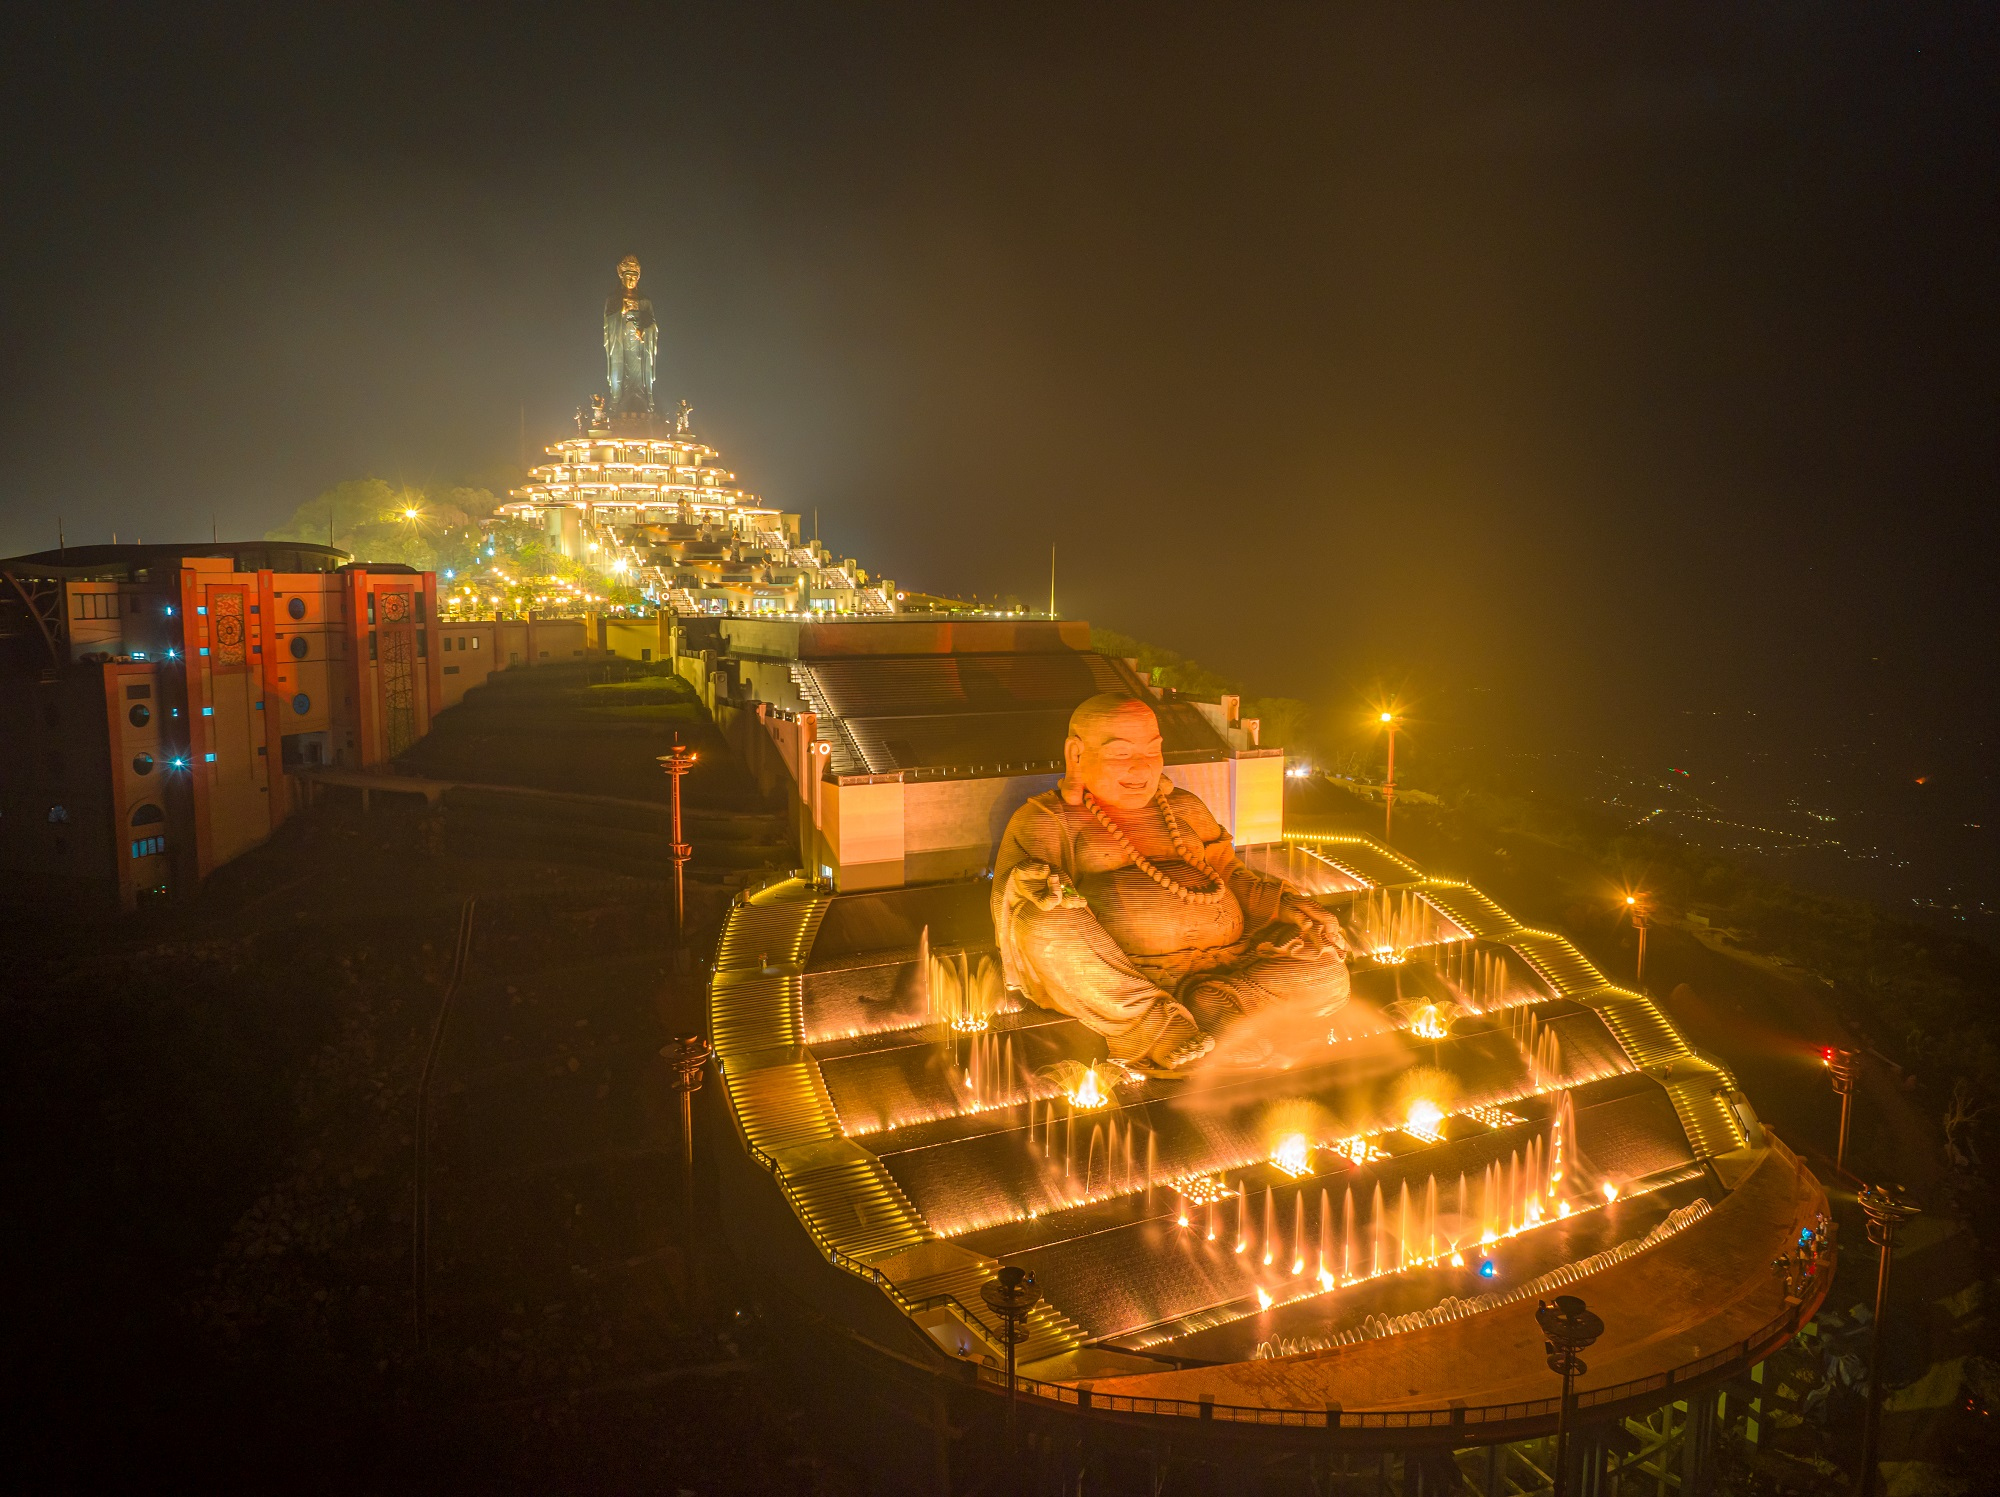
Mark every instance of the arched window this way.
pixel 148 814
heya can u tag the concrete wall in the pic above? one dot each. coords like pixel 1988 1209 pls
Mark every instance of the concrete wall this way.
pixel 637 639
pixel 147 854
pixel 771 681
pixel 475 648
pixel 793 639
pixel 1257 797
pixel 952 828
pixel 58 819
pixel 864 826
pixel 881 831
pixel 1210 781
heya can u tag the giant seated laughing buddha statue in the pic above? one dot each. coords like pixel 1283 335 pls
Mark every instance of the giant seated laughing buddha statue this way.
pixel 1118 900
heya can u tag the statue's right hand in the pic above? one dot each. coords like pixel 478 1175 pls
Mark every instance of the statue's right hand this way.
pixel 1043 887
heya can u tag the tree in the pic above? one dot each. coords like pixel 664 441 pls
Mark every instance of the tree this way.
pixel 1961 1123
pixel 1283 722
pixel 432 528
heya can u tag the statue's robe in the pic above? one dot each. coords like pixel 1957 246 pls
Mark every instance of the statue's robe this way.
pixel 628 359
pixel 1123 963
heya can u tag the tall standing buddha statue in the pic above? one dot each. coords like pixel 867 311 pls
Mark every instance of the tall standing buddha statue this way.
pixel 631 343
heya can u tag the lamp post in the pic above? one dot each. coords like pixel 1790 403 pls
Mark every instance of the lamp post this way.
pixel 1844 1066
pixel 1887 1207
pixel 1389 721
pixel 677 762
pixel 1570 1328
pixel 1639 923
pixel 686 1058
pixel 1011 1294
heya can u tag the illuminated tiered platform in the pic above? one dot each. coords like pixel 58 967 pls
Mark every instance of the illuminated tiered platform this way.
pixel 653 506
pixel 1353 1235
pixel 639 478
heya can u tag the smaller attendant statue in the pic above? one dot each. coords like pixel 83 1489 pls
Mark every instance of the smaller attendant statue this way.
pixel 631 338
pixel 684 419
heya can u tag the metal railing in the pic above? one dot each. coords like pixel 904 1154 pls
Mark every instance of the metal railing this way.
pixel 1752 1348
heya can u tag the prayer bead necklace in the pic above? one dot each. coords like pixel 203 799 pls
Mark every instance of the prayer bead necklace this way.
pixel 1180 891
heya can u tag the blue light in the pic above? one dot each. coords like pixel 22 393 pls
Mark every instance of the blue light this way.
pixel 173 654
pixel 178 763
pixel 208 712
pixel 449 574
pixel 1487 1268
pixel 170 610
pixel 210 758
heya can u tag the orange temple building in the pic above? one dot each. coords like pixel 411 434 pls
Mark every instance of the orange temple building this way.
pixel 157 701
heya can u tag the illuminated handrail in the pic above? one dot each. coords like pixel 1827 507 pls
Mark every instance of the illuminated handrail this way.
pixel 1769 1337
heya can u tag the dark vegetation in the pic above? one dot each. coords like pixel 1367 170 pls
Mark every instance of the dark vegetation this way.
pixel 594 728
pixel 586 738
pixel 1286 722
pixel 211 1116
pixel 210 1111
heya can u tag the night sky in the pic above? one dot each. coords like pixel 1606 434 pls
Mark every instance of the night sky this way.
pixel 1600 364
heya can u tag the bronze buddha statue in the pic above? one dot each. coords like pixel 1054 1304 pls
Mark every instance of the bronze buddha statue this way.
pixel 1118 900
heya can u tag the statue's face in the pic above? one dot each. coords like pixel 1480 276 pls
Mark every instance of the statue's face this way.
pixel 1117 757
pixel 628 272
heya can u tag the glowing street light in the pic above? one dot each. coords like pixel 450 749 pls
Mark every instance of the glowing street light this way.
pixel 1389 718
pixel 1844 1067
pixel 1635 907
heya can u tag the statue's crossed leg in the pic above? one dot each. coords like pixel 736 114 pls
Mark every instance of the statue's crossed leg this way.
pixel 1079 970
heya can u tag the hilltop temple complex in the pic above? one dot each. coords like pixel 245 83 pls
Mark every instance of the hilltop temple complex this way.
pixel 635 495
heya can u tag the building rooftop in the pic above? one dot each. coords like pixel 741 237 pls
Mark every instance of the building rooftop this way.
pixel 130 563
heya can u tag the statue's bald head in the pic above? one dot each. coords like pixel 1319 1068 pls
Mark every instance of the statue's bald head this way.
pixel 628 271
pixel 1094 714
pixel 1114 750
